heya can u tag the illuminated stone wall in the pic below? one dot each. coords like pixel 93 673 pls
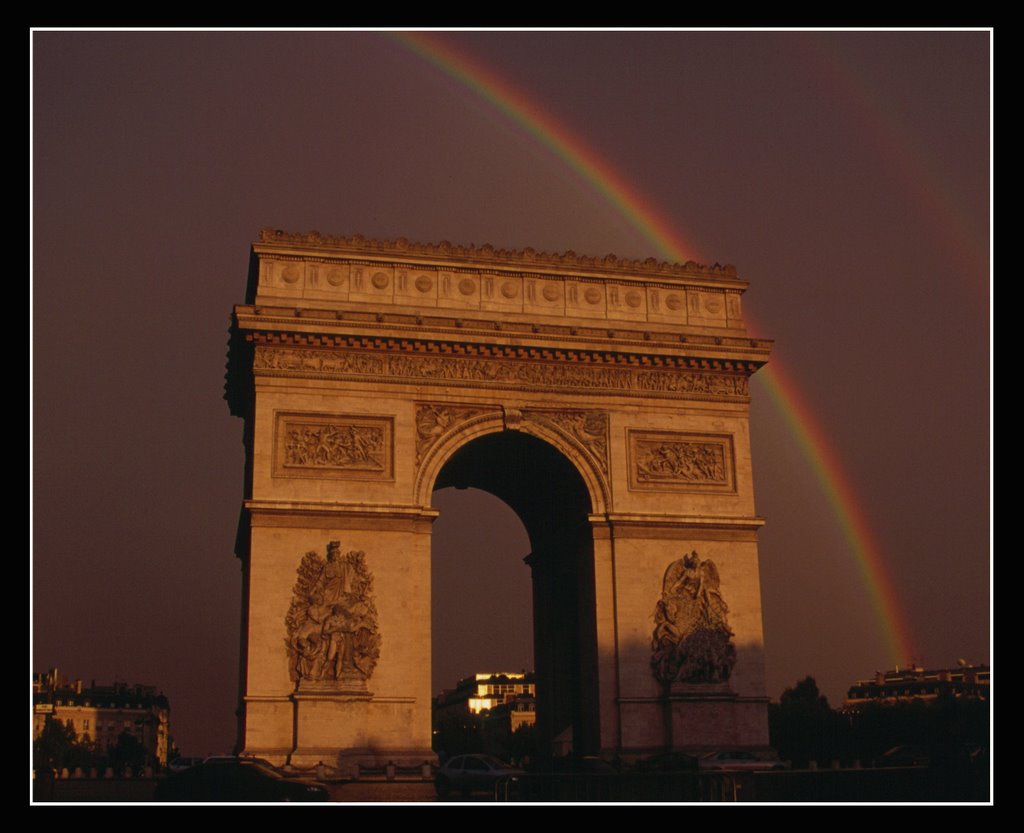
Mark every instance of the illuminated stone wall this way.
pixel 361 367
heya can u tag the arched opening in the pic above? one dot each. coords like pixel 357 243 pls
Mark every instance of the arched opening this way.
pixel 551 499
pixel 482 600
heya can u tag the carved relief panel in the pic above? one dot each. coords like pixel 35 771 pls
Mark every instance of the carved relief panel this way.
pixel 544 296
pixel 305 279
pixel 588 428
pixel 668 461
pixel 416 287
pixel 459 290
pixel 333 445
pixel 433 421
pixel 586 298
pixel 627 302
pixel 666 305
pixel 501 292
pixel 706 307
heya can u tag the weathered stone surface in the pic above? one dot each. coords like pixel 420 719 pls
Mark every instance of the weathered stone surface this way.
pixel 363 368
pixel 692 641
pixel 333 641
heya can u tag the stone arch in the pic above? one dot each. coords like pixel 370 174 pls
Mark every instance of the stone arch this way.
pixel 363 368
pixel 546 490
pixel 478 425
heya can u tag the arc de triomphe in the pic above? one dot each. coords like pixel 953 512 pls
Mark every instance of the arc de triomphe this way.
pixel 605 400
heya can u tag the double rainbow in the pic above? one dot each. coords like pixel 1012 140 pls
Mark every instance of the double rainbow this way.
pixel 642 215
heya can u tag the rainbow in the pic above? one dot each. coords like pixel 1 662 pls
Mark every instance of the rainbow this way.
pixel 911 162
pixel 812 440
pixel 657 230
pixel 557 138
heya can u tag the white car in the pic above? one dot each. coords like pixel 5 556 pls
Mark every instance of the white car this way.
pixel 468 773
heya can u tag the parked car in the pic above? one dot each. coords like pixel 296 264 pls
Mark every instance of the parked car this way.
pixel 181 764
pixel 210 759
pixel 907 755
pixel 471 773
pixel 737 760
pixel 236 779
pixel 667 762
pixel 577 764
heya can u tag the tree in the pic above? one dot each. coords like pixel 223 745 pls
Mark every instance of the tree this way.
pixel 52 749
pixel 805 695
pixel 82 754
pixel 129 752
pixel 524 743
pixel 803 728
pixel 456 734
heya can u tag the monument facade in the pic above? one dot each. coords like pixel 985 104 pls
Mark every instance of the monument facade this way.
pixel 605 400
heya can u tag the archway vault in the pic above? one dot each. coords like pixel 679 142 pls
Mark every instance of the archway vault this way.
pixel 563 429
pixel 369 372
pixel 546 491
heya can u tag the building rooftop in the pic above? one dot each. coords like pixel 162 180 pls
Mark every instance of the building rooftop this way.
pixel 915 683
pixel 51 687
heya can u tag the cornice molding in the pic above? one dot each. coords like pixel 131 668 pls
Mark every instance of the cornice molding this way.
pixel 362 510
pixel 308 321
pixel 648 521
pixel 439 348
pixel 487 254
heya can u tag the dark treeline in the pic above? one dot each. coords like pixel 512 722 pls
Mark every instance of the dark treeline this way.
pixel 471 733
pixel 951 732
pixel 58 747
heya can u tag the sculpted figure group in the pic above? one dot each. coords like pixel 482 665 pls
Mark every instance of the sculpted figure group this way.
pixel 692 641
pixel 684 461
pixel 332 621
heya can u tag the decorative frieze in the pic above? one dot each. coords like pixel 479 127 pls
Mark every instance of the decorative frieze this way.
pixel 536 374
pixel 327 445
pixel 651 292
pixel 672 461
pixel 326 362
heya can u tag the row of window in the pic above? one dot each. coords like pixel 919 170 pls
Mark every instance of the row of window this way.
pixel 918 691
pixel 506 689
pixel 88 705
pixel 100 726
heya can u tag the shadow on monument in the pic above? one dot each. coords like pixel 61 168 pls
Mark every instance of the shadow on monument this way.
pixel 549 496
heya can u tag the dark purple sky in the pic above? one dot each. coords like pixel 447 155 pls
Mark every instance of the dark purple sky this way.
pixel 845 174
